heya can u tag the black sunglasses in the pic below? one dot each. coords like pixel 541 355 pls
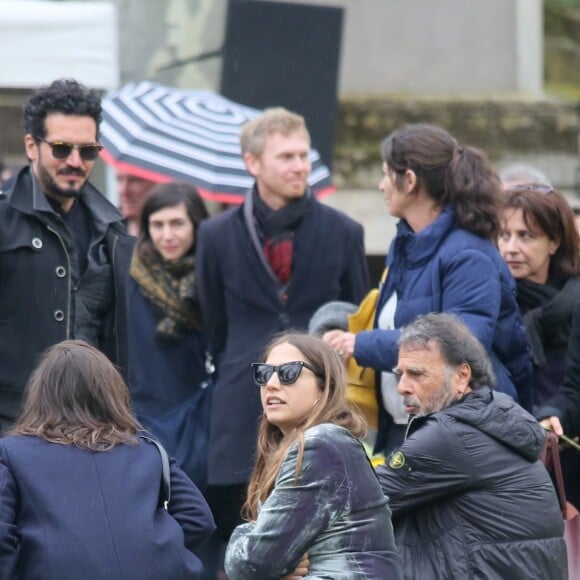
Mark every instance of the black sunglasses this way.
pixel 61 150
pixel 288 373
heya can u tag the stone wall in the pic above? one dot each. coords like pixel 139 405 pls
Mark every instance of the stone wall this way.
pixel 503 127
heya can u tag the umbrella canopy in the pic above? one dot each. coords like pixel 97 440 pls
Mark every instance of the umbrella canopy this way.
pixel 168 134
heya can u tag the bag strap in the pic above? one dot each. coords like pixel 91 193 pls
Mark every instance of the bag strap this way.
pixel 165 476
pixel 551 459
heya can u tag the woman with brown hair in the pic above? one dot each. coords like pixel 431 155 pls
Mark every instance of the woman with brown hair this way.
pixel 80 491
pixel 443 259
pixel 313 490
pixel 539 242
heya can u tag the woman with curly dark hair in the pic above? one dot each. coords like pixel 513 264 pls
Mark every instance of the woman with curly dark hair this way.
pixel 313 491
pixel 443 259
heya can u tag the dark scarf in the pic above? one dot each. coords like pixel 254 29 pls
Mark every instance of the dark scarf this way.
pixel 169 286
pixel 276 230
pixel 548 314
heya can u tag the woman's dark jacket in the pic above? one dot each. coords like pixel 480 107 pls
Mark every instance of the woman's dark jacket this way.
pixel 444 268
pixel 469 497
pixel 552 318
pixel 68 513
pixel 41 303
pixel 165 376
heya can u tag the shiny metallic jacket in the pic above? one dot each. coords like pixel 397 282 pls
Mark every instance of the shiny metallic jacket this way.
pixel 335 512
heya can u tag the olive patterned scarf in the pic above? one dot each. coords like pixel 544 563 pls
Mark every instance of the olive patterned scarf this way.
pixel 170 287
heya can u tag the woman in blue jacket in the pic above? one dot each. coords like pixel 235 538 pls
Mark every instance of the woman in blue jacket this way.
pixel 168 377
pixel 80 492
pixel 443 259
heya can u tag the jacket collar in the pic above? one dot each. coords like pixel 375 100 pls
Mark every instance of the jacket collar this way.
pixel 479 398
pixel 27 197
pixel 420 247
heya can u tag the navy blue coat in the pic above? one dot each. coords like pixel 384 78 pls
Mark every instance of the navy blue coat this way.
pixel 69 513
pixel 243 305
pixel 444 268
pixel 168 383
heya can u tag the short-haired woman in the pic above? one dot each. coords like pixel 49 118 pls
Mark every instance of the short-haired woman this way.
pixel 313 491
pixel 80 492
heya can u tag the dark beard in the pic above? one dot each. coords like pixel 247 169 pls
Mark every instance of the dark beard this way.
pixel 50 188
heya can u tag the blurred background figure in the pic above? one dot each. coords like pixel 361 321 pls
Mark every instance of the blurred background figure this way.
pixel 520 174
pixel 132 191
pixel 443 259
pixel 92 506
pixel 312 491
pixel 539 242
pixel 7 174
pixel 168 374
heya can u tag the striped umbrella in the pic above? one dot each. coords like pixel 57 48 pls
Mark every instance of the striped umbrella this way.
pixel 167 134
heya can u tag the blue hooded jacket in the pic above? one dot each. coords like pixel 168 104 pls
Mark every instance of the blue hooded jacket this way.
pixel 444 268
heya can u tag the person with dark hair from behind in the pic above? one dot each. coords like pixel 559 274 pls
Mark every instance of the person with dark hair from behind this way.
pixel 81 494
pixel 539 242
pixel 167 347
pixel 469 495
pixel 314 507
pixel 443 259
pixel 132 191
pixel 64 250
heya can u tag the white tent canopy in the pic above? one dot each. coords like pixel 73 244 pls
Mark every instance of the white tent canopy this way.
pixel 43 40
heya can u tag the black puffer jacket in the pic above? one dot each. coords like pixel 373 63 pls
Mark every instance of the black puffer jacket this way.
pixel 470 498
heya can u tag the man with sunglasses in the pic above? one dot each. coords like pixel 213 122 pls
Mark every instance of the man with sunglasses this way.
pixel 64 250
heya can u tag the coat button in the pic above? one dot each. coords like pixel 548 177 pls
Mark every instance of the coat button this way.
pixel 59 315
pixel 284 318
pixel 37 243
pixel 60 271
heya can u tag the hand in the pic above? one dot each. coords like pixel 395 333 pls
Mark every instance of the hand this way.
pixel 301 569
pixel 341 342
pixel 553 423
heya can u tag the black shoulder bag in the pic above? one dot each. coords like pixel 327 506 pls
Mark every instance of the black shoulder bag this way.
pixel 165 491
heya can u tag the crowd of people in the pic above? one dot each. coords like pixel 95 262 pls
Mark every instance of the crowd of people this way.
pixel 166 414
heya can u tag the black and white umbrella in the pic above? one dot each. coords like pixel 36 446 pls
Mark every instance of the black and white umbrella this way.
pixel 168 134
